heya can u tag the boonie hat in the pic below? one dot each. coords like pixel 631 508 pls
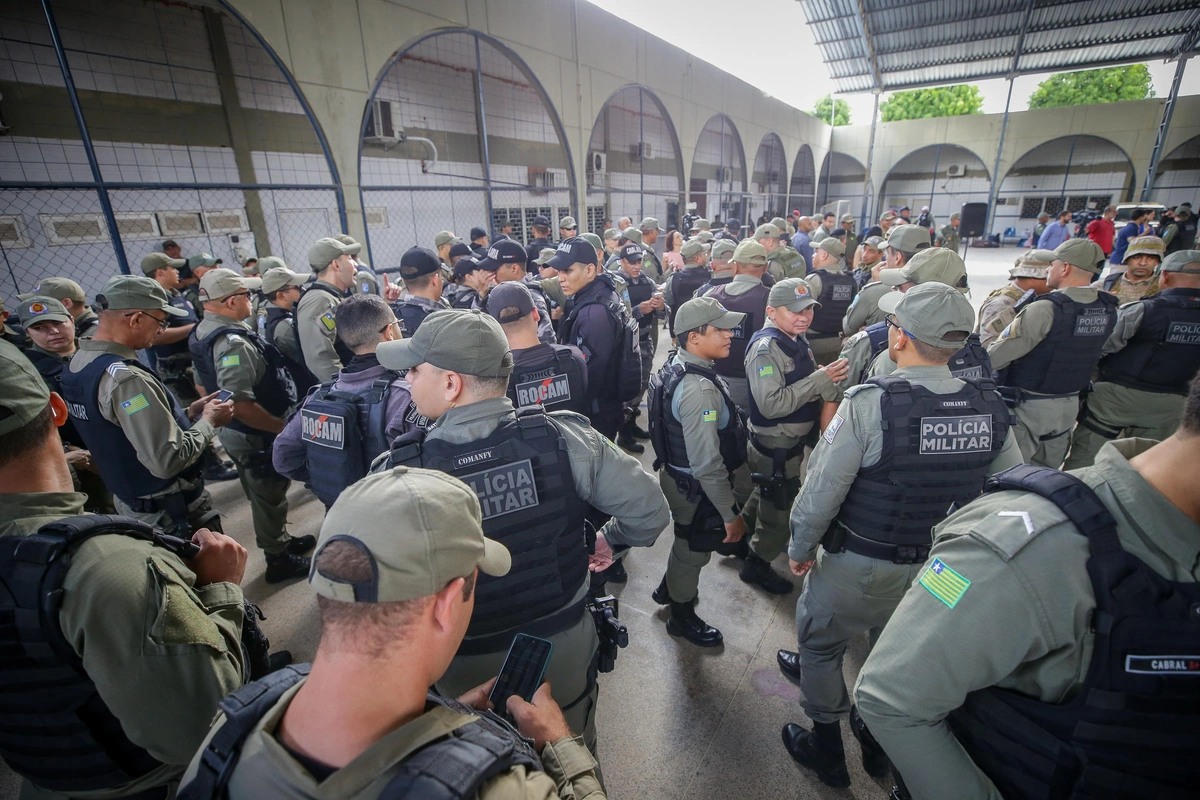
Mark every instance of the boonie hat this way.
pixel 324 251
pixel 445 237
pixel 934 264
pixel 706 311
pixel 632 252
pixel 418 261
pixel 23 393
pixel 135 292
pixel 568 223
pixel 909 238
pixel 1082 253
pixel 220 283
pixel 1182 261
pixel 572 251
pixel 58 288
pixel 440 536
pixel 794 294
pixel 929 311
pixel 693 246
pixel 650 224
pixel 1032 264
pixel 766 231
pixel 725 248
pixel 156 261
pixel 1145 245
pixel 505 251
pixel 278 277
pixel 468 342
pixel 507 296
pixel 632 234
pixel 40 308
pixel 750 252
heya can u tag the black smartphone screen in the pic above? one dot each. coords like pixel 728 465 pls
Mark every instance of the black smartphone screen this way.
pixel 522 672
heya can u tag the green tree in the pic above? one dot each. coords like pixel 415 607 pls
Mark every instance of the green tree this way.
pixel 941 101
pixel 826 106
pixel 1106 85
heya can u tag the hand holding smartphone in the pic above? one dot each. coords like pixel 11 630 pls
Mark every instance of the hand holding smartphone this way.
pixel 522 673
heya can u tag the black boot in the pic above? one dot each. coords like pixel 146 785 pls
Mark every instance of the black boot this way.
pixel 636 430
pixel 820 750
pixel 299 545
pixel 626 441
pixel 759 572
pixel 278 660
pixel 615 572
pixel 738 549
pixel 285 566
pixel 875 761
pixel 661 595
pixel 214 469
pixel 685 623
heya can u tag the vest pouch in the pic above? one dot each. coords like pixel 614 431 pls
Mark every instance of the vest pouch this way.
pixel 706 533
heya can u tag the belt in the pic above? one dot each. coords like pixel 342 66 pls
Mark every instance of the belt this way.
pixel 149 505
pixel 769 452
pixel 544 628
pixel 882 551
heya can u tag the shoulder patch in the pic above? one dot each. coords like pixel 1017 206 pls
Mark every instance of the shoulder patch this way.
pixel 233 338
pixel 944 583
pixel 832 428
pixel 116 368
pixel 135 404
pixel 231 361
pixel 859 388
pixel 1011 520
pixel 709 416
pixel 766 370
pixel 328 321
pixel 858 337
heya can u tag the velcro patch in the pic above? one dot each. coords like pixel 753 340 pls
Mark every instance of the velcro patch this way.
pixel 325 430
pixel 969 434
pixel 504 489
pixel 328 321
pixel 1164 665
pixel 832 428
pixel 944 583
pixel 135 404
pixel 765 371
pixel 231 361
pixel 551 389
pixel 709 416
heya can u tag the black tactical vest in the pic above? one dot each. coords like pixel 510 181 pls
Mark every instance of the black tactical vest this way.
pixel 972 361
pixel 797 350
pixel 344 431
pixel 754 305
pixel 937 449
pixel 275 391
pixel 684 284
pixel 639 292
pixel 180 347
pixel 711 284
pixel 1164 355
pixel 1130 730
pixel 51 368
pixel 666 432
pixel 522 475
pixel 301 376
pixel 623 381
pixel 553 376
pixel 453 767
pixel 57 731
pixel 412 314
pixel 1062 363
pixel 837 293
pixel 1185 236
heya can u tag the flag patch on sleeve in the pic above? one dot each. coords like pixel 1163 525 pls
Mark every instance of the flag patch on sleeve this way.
pixel 135 404
pixel 231 361
pixel 328 321
pixel 944 583
pixel 709 416
pixel 767 370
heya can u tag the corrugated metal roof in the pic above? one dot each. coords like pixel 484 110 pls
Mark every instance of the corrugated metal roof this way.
pixel 901 44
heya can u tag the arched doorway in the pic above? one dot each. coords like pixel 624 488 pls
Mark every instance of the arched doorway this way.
pixel 802 194
pixel 768 181
pixel 1177 178
pixel 941 176
pixel 840 188
pixel 718 182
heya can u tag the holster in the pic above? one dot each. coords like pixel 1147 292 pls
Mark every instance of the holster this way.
pixel 254 642
pixel 706 532
pixel 834 539
pixel 613 634
pixel 777 487
pixel 259 464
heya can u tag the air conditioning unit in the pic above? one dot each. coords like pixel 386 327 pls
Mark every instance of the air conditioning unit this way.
pixel 773 176
pixel 597 162
pixel 956 171
pixel 542 179
pixel 384 123
pixel 640 150
pixel 724 174
pixel 376 217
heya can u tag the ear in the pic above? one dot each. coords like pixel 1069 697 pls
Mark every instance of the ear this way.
pixel 59 407
pixel 444 603
pixel 453 386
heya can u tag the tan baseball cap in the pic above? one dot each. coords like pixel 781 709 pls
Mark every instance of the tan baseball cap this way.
pixel 750 252
pixel 650 224
pixel 445 237
pixel 277 278
pixel 612 233
pixel 847 218
pixel 935 264
pixel 766 231
pixel 58 288
pixel 200 260
pixel 569 223
pixel 270 262
pixel 544 255
pixel 1082 253
pixel 908 238
pixel 467 342
pixel 702 224
pixel 835 247
pixel 324 251
pixel 793 294
pixel 23 393
pixel 930 311
pixel 705 236
pixel 592 239
pixel 252 269
pixel 1145 245
pixel 632 234
pixel 1182 261
pixel 41 308
pixel 1032 264
pixel 346 239
pixel 219 283
pixel 136 292
pixel 420 528
pixel 693 246
pixel 156 261
pixel 705 311
pixel 725 248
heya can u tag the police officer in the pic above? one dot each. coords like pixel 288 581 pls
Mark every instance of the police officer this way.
pixel 898 453
pixel 507 262
pixel 333 265
pixel 948 237
pixel 999 308
pixel 393 611
pixel 190 274
pixel 745 294
pixel 1050 350
pixel 1066 615
pixel 825 228
pixel 834 289
pixel 172 360
pixel 473 280
pixel 537 477
pixel 786 393
pixel 650 229
pixel 479 241
pixel 550 285
pixel 230 356
pixel 281 290
pixel 898 248
pixel 887 220
pixel 648 305
pixel 1181 233
pixel 73 299
pixel 731 232
pixel 344 425
pixel 720 251
pixel 868 260
pixel 681 285
pixel 847 222
pixel 540 228
pixel 1140 277
pixel 443 241
pixel 147 449
pixel 785 261
pixel 699 441
pixel 109 688
pixel 629 234
pixel 550 375
pixel 1151 356
pixel 365 279
pixel 421 274
pixel 567 227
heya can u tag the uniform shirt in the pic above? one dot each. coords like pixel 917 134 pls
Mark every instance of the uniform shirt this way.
pixel 820 233
pixel 702 412
pixel 864 308
pixel 267 769
pixel 147 421
pixel 424 303
pixel 161 651
pixel 853 441
pixel 997 312
pixel 1128 291
pixel 1055 234
pixel 1030 327
pixel 948 237
pixel 318 330
pixel 651 266
pixel 766 367
pixel 239 364
pixel 1023 624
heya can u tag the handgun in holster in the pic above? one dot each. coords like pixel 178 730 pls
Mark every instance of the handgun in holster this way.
pixel 1011 395
pixel 613 634
pixel 776 487
pixel 834 539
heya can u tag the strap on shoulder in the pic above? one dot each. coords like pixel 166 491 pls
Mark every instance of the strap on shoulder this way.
pixel 407 448
pixel 1072 496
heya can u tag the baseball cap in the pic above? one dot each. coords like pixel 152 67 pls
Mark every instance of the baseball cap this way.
pixel 156 261
pixel 931 265
pixel 440 536
pixel 612 233
pixel 198 260
pixel 460 249
pixel 766 231
pixel 278 277
pixel 568 223
pixel 693 246
pixel 58 288
pixel 632 252
pixel 1183 261
pixel 847 218
pixel 1082 253
pixel 347 239
pixel 875 242
pixel 793 294
pixel 219 283
pixel 724 248
pixel 1145 245
pixel 733 224
pixel 23 393
pixel 705 236
pixel 271 262
pixel 541 220
pixel 251 268
pixel 477 232
pixel 889 214
pixel 545 255
pixel 649 224
pixel 1183 210
pixel 325 251
pixel 505 297
pixel 750 252
pixel 836 247
pixel 468 342
pixel 929 311
pixel 706 311
pixel 445 237
pixel 505 251
pixel 136 292
pixel 468 264
pixel 909 238
pixel 632 234
pixel 781 223
pixel 955 215
pixel 572 251
pixel 1032 264
pixel 593 240
pixel 702 224
pixel 418 261
pixel 796 212
pixel 41 308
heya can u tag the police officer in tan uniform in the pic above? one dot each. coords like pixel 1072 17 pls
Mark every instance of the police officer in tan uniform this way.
pixel 334 266
pixel 1027 275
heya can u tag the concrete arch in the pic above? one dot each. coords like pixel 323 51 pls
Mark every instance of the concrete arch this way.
pixel 1177 178
pixel 718 175
pixel 769 178
pixel 840 182
pixel 942 176
pixel 803 188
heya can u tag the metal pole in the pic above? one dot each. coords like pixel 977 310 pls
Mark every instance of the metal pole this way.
pixel 937 162
pixel 641 155
pixel 870 163
pixel 1164 127
pixel 1067 173
pixel 101 192
pixel 483 135
pixel 991 212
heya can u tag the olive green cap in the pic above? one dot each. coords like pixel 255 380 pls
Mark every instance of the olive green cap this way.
pixel 58 288
pixel 650 224
pixel 702 224
pixel 155 261
pixel 346 239
pixel 253 270
pixel 929 311
pixel 1185 211
pixel 693 246
pixel 445 237
pixel 875 242
pixel 276 278
pixel 908 238
pixel 271 262
pixel 766 231
pixel 835 247
pixel 705 236
pixel 750 252
pixel 198 260
pixel 632 234
pixel 1145 245
pixel 1182 261
pixel 705 311
pixel 1032 264
pixel 781 223
pixel 324 251
pixel 612 233
pixel 725 248
pixel 592 239
pixel 545 255
pixel 40 308
pixel 847 218
pixel 1082 253
pixel 466 342
pixel 794 294
pixel 568 223
pixel 219 283
pixel 932 265
pixel 420 528
pixel 23 393
pixel 136 292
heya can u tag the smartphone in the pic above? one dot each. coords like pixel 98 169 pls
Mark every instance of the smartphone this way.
pixel 522 672
pixel 223 395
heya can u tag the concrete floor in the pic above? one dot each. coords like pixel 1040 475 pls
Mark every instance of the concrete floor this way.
pixel 674 720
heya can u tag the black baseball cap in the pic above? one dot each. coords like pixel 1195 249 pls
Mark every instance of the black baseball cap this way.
pixel 468 264
pixel 541 220
pixel 460 249
pixel 418 261
pixel 508 296
pixel 505 251
pixel 477 232
pixel 631 252
pixel 733 223
pixel 575 250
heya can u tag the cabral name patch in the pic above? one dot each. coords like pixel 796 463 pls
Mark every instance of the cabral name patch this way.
pixel 1163 665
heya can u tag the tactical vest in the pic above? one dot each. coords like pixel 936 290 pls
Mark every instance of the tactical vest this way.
pixel 58 733
pixel 790 261
pixel 972 361
pixel 301 375
pixel 85 326
pixel 453 767
pixel 365 281
pixel 711 284
pixel 51 368
pixel 522 475
pixel 1164 355
pixel 754 305
pixel 666 432
pixel 464 298
pixel 275 390
pixel 797 350
pixel 639 292
pixel 1062 363
pixel 412 314
pixel 343 431
pixel 115 457
pixel 683 286
pixel 1185 236
pixel 179 348
pixel 837 293
pixel 937 449
pixel 344 353
pixel 551 376
pixel 1130 729
pixel 625 365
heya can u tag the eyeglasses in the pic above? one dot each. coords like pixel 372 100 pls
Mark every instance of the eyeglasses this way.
pixel 891 321
pixel 389 325
pixel 239 294
pixel 162 323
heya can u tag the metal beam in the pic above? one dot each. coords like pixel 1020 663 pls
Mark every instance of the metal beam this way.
pixel 1164 127
pixel 995 190
pixel 870 162
pixel 866 32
